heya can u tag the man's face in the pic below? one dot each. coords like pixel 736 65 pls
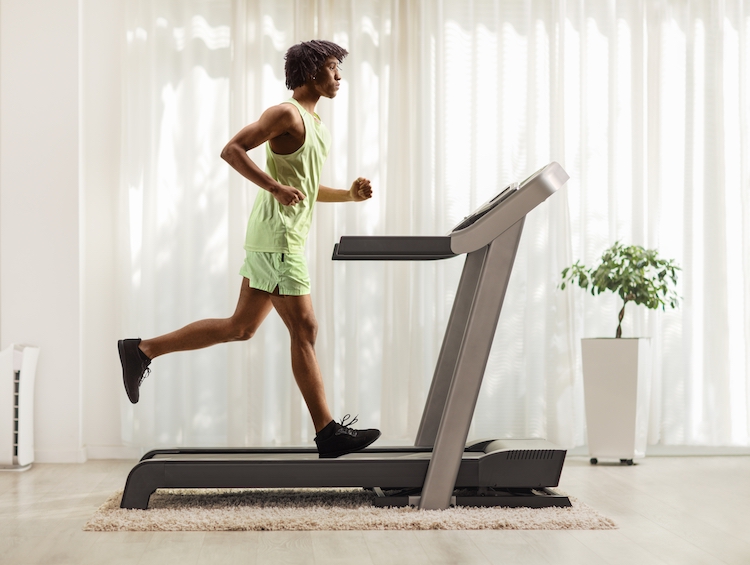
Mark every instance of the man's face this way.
pixel 328 77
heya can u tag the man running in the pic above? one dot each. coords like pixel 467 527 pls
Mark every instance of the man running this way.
pixel 275 272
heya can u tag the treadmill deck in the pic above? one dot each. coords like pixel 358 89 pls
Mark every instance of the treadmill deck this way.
pixel 505 464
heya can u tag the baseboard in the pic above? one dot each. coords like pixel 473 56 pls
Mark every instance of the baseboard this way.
pixel 60 455
pixel 695 450
pixel 114 452
pixel 85 453
pixel 677 451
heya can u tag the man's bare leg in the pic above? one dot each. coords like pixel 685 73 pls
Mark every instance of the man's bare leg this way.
pixel 135 355
pixel 252 308
pixel 299 318
pixel 333 439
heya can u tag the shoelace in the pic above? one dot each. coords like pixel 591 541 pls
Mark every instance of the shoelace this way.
pixel 349 424
pixel 345 426
pixel 146 371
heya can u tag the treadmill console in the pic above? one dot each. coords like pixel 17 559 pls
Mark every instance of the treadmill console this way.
pixel 507 208
pixel 488 206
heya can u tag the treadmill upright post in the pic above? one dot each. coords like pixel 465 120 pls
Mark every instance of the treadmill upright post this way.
pixel 485 281
pixel 446 363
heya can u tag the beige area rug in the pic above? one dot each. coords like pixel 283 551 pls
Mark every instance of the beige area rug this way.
pixel 323 509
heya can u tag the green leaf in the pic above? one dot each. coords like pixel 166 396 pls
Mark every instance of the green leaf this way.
pixel 631 272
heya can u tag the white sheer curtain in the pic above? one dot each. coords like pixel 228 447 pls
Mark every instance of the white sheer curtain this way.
pixel 644 104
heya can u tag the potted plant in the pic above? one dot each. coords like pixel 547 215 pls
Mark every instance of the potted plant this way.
pixel 616 372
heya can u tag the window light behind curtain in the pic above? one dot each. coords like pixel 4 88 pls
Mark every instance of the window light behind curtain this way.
pixel 442 104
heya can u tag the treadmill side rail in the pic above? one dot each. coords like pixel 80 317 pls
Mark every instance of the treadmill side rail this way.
pixel 503 464
pixel 142 482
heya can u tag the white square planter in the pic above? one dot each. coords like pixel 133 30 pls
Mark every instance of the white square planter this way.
pixel 616 383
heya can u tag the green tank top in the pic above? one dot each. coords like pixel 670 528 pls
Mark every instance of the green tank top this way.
pixel 276 228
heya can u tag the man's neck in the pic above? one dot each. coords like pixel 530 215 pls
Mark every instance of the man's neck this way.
pixel 308 100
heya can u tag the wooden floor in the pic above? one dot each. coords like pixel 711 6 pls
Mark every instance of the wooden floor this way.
pixel 671 510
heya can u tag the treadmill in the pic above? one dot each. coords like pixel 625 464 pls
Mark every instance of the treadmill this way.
pixel 441 469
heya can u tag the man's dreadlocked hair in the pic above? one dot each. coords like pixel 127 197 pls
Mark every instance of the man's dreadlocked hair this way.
pixel 305 59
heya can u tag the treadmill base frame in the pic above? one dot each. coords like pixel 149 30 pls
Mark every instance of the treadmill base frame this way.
pixel 507 498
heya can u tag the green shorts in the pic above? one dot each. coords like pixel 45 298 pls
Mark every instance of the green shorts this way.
pixel 267 271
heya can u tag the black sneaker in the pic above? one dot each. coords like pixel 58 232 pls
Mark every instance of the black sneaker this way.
pixel 134 366
pixel 337 439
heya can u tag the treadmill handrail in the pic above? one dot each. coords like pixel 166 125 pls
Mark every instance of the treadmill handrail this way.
pixel 476 231
pixel 392 248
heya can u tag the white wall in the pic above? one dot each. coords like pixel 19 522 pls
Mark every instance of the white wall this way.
pixel 39 210
pixel 59 143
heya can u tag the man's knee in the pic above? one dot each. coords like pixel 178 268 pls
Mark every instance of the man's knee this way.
pixel 241 332
pixel 245 334
pixel 299 318
pixel 305 329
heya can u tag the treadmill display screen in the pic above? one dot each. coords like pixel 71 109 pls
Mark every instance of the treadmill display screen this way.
pixel 487 206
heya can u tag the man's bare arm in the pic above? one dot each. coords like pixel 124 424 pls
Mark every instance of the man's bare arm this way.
pixel 274 122
pixel 359 191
